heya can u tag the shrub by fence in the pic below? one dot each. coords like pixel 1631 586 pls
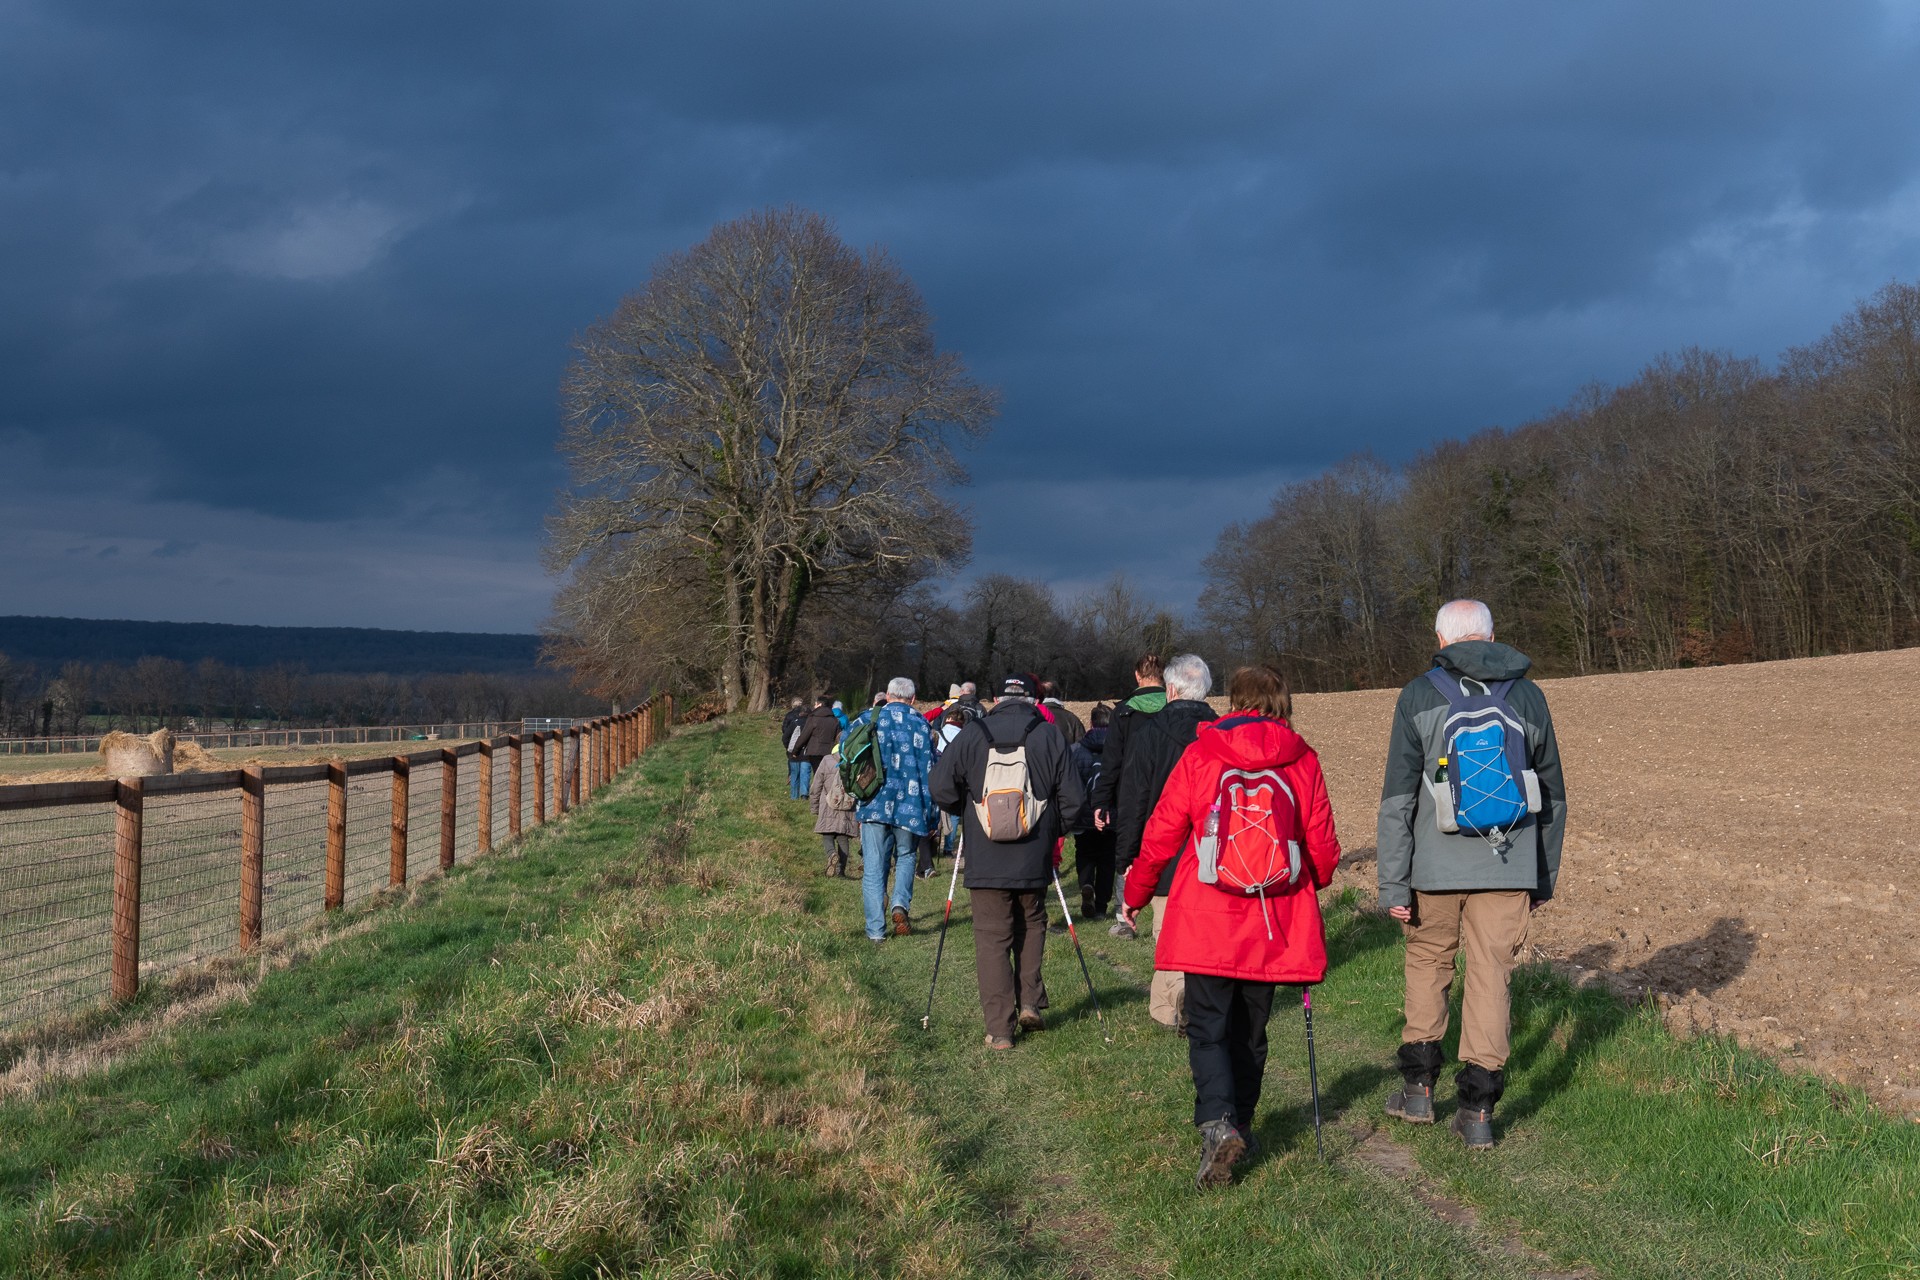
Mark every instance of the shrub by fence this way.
pixel 104 885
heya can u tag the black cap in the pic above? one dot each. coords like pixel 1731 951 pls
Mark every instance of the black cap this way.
pixel 1018 686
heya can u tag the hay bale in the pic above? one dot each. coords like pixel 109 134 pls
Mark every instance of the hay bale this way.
pixel 129 757
pixel 191 757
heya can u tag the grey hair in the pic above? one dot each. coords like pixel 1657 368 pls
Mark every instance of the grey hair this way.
pixel 1188 677
pixel 969 689
pixel 1459 619
pixel 900 687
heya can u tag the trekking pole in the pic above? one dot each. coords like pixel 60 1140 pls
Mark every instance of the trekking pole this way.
pixel 926 1022
pixel 1313 1071
pixel 1075 935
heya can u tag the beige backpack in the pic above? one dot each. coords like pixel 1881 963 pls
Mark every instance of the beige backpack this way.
pixel 1008 809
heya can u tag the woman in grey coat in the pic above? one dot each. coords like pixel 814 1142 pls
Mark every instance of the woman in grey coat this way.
pixel 833 813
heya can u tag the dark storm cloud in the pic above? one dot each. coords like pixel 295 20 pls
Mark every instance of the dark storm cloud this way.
pixel 317 265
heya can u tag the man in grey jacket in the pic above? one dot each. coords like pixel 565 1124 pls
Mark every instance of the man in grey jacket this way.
pixel 1460 892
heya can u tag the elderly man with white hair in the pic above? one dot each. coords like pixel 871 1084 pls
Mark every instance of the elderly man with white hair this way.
pixel 901 812
pixel 1154 745
pixel 1472 813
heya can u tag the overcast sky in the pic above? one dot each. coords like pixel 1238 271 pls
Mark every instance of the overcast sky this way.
pixel 286 290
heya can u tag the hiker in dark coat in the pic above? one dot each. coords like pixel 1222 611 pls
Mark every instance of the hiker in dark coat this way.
pixel 799 769
pixel 818 733
pixel 1460 893
pixel 1092 848
pixel 1154 744
pixel 1007 880
pixel 1070 725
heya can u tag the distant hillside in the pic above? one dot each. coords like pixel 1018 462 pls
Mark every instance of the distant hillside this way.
pixel 52 641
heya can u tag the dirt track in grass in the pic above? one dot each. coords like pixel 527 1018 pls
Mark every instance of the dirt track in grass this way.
pixel 1740 846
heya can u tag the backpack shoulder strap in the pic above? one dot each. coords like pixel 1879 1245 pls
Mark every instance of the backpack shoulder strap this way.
pixel 1449 687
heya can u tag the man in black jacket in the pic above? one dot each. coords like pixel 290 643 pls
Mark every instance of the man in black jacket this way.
pixel 1154 745
pixel 819 732
pixel 1007 879
pixel 799 772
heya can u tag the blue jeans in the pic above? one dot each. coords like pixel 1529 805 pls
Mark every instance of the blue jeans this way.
pixel 883 847
pixel 799 779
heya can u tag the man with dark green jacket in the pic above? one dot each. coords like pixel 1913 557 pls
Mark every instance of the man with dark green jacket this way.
pixel 1454 891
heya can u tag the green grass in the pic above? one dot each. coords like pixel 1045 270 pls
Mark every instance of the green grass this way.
pixel 653 1041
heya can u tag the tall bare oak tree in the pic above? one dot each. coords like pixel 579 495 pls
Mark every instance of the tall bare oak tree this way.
pixel 767 422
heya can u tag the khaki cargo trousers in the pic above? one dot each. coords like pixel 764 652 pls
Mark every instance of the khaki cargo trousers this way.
pixel 1167 993
pixel 1490 927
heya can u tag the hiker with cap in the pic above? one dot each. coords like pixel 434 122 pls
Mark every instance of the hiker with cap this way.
pixel 1009 778
pixel 1472 814
pixel 896 815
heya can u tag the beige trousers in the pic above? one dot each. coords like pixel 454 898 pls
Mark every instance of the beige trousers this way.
pixel 1490 927
pixel 1167 993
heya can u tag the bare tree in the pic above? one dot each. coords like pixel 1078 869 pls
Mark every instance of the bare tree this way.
pixel 767 418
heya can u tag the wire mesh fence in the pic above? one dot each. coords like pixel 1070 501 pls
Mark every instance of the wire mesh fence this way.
pixel 55 908
pixel 106 885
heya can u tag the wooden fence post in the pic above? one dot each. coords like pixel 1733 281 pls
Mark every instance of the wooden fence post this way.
pixel 573 774
pixel 253 851
pixel 128 812
pixel 513 785
pixel 449 803
pixel 336 885
pixel 484 842
pixel 539 779
pixel 397 844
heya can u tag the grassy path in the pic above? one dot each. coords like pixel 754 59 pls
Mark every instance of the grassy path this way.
pixel 653 1041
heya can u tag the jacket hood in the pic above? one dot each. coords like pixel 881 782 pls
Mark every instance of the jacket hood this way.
pixel 1095 740
pixel 1245 741
pixel 1483 660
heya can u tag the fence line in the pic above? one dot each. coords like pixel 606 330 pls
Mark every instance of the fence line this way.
pixel 335 737
pixel 149 862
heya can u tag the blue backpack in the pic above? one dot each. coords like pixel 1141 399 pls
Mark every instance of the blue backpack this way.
pixel 1481 785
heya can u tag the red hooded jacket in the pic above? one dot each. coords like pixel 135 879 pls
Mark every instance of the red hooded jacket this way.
pixel 1206 930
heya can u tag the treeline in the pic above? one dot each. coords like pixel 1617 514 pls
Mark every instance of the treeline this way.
pixel 1087 645
pixel 50 642
pixel 213 697
pixel 1710 511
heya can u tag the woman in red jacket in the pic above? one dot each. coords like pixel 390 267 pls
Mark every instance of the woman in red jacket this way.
pixel 1258 922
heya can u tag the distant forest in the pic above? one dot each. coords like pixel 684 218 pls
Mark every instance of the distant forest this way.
pixel 1712 510
pixel 73 675
pixel 51 642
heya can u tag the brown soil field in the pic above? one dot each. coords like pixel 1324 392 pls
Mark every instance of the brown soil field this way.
pixel 1740 847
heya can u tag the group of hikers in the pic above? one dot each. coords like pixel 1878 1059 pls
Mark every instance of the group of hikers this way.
pixel 1216 833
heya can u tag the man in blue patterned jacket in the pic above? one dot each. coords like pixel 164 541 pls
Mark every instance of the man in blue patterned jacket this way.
pixel 892 823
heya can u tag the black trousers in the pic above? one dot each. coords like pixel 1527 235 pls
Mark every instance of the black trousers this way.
pixel 1227 1046
pixel 1093 860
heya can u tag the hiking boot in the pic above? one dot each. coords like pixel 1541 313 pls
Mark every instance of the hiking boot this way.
pixel 1412 1103
pixel 1087 910
pixel 1220 1146
pixel 999 1042
pixel 841 866
pixel 900 926
pixel 1253 1148
pixel 1121 929
pixel 1475 1128
pixel 1030 1020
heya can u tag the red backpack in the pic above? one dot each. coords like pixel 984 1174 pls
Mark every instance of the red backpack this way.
pixel 1249 843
